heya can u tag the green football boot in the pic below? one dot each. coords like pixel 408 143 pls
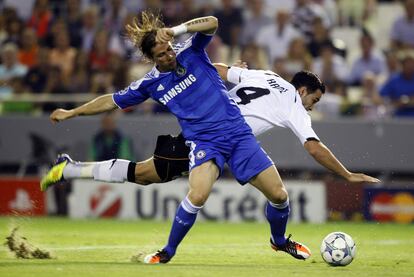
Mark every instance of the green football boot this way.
pixel 55 174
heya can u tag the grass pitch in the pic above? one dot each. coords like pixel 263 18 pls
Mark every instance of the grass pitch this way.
pixel 104 248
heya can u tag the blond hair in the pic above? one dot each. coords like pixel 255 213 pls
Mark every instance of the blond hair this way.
pixel 142 33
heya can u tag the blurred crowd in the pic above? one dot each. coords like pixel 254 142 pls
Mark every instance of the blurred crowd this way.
pixel 51 47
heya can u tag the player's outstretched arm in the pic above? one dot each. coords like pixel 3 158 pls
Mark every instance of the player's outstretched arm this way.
pixel 325 157
pixel 98 105
pixel 207 25
pixel 223 68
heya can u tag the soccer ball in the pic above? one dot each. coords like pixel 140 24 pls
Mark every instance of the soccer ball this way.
pixel 338 249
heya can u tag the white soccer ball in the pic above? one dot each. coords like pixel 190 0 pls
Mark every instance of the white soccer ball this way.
pixel 338 249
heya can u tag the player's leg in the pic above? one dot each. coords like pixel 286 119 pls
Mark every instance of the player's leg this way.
pixel 146 172
pixel 250 163
pixel 206 164
pixel 277 212
pixel 201 180
pixel 277 208
pixel 170 162
pixel 114 171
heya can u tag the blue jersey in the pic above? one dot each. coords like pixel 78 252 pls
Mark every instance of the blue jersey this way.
pixel 194 93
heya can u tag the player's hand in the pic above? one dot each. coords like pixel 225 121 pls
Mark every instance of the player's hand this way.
pixel 60 115
pixel 164 35
pixel 360 177
pixel 240 63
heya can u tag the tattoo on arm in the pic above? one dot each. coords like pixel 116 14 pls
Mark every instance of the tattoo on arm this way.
pixel 197 21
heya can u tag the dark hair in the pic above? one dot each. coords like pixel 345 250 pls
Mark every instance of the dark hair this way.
pixel 309 80
pixel 147 43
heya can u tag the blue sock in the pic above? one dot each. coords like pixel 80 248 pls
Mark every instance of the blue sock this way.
pixel 277 215
pixel 183 221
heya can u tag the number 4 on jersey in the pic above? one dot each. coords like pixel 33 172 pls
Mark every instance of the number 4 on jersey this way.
pixel 246 94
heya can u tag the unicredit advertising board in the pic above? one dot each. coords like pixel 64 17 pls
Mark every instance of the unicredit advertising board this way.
pixel 228 201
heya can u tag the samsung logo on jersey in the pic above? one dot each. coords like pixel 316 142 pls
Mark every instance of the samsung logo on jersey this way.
pixel 177 89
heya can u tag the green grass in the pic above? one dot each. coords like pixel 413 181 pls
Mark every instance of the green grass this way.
pixel 104 248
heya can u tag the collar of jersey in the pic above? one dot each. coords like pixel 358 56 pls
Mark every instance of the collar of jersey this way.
pixel 157 73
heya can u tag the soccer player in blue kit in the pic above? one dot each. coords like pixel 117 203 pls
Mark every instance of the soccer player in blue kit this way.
pixel 184 80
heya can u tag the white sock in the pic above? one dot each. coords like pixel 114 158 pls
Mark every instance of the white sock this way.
pixel 115 171
pixel 281 205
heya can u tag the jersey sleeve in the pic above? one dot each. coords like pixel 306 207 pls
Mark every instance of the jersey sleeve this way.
pixel 300 123
pixel 236 74
pixel 199 41
pixel 130 96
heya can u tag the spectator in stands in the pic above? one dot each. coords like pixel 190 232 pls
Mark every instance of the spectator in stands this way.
pixel 90 25
pixel 255 20
pixel 399 89
pixel 3 31
pixel 402 32
pixel 330 67
pixel 298 59
pixel 119 69
pixel 73 18
pixel 41 18
pixel 330 9
pixel 37 77
pixel 55 83
pixel 279 66
pixel 252 55
pixel 355 12
pixel 120 44
pixel 371 102
pixel 109 142
pixel 29 47
pixel 14 27
pixel 276 37
pixel 113 78
pixel 79 80
pixel 205 8
pixel 272 6
pixel 190 9
pixel 10 68
pixel 370 61
pixel 63 55
pixel 57 26
pixel 102 82
pixel 231 20
pixel 170 10
pixel 22 8
pixel 18 89
pixel 393 65
pixel 321 37
pixel 99 54
pixel 304 15
pixel 115 15
pixel 216 50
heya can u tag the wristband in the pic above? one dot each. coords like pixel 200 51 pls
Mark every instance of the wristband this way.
pixel 179 30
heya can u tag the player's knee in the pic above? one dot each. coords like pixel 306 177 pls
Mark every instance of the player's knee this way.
pixel 197 198
pixel 145 174
pixel 278 196
pixel 142 181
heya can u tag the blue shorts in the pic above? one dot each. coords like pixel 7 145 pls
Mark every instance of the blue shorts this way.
pixel 242 153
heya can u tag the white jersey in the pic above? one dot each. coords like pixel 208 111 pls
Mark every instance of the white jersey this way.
pixel 267 100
